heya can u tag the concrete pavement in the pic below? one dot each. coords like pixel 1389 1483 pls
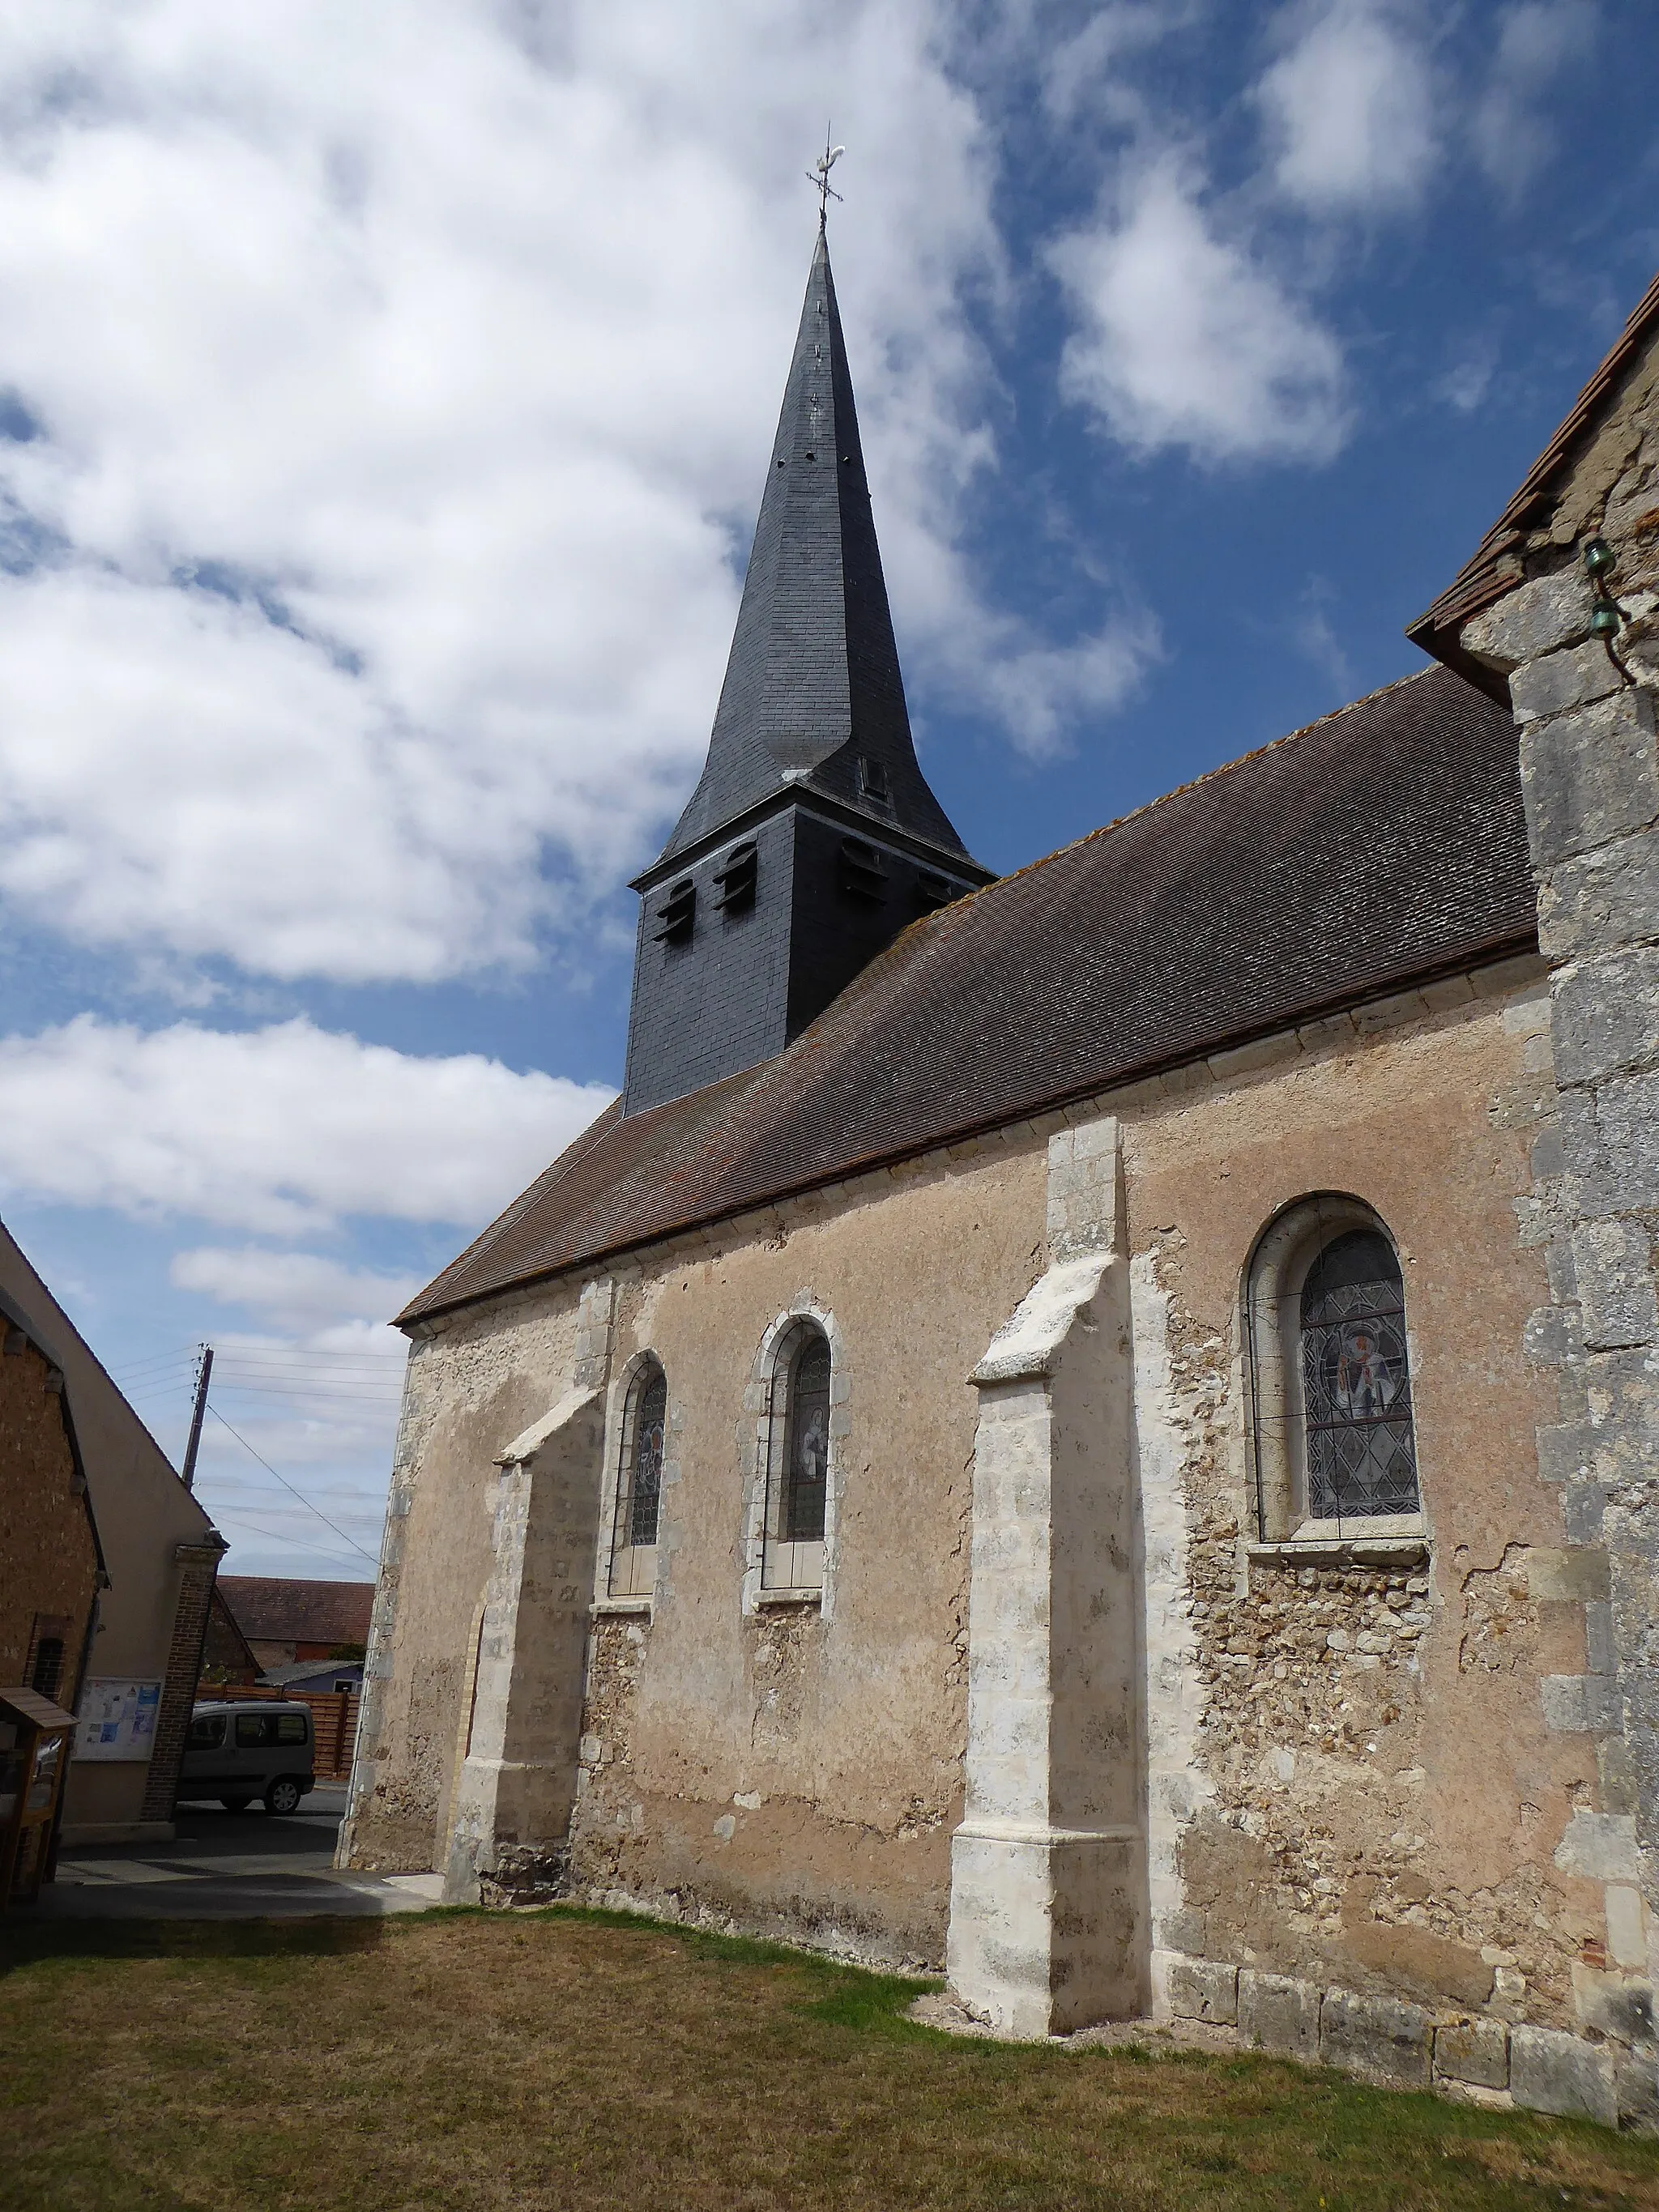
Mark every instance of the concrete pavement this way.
pixel 231 1866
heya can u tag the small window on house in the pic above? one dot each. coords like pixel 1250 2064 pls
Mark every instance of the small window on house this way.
pixel 798 1461
pixel 873 782
pixel 47 1678
pixel 1331 1430
pixel 738 876
pixel 933 891
pixel 639 1484
pixel 678 914
pixel 863 870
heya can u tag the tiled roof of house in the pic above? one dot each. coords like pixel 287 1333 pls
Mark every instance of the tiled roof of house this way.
pixel 274 1610
pixel 1378 846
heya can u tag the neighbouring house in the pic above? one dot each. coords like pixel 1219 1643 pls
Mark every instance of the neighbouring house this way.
pixel 52 1568
pixel 226 1655
pixel 321 1676
pixel 133 1681
pixel 1097 1430
pixel 282 1621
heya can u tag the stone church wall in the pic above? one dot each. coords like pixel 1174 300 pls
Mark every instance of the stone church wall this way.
pixel 1365 1770
pixel 1589 771
pixel 792 1767
pixel 1370 1768
pixel 471 1386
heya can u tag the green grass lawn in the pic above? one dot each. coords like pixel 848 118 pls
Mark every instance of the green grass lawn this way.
pixel 471 2062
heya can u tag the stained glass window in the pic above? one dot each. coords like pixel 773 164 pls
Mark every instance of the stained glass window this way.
pixel 645 1484
pixel 806 1457
pixel 1356 1381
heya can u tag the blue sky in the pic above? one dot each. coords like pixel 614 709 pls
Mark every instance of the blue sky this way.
pixel 385 395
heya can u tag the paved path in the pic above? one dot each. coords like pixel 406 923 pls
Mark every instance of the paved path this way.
pixel 231 1866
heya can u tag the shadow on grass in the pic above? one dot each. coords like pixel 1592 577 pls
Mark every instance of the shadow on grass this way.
pixel 25 1941
pixel 847 1995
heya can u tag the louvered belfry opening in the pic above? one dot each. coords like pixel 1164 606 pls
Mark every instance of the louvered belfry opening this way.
pixel 812 836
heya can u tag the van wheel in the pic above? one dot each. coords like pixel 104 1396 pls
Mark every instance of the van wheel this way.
pixel 236 1804
pixel 282 1797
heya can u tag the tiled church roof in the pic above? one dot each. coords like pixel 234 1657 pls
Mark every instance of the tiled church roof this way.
pixel 1380 845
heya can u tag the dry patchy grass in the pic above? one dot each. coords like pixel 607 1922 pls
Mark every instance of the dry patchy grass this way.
pixel 476 2062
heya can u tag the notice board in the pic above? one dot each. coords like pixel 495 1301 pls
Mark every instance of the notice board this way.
pixel 117 1718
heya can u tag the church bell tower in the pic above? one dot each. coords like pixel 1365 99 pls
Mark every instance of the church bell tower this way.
pixel 813 837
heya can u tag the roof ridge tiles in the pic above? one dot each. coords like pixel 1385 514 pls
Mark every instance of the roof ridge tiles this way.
pixel 1147 806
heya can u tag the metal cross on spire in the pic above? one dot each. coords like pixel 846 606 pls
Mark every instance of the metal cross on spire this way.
pixel 818 174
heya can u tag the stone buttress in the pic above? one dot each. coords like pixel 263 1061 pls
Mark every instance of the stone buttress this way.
pixel 1048 1918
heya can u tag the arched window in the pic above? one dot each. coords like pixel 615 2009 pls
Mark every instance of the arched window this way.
pixel 639 1484
pixel 1330 1371
pixel 798 1460
pixel 1356 1381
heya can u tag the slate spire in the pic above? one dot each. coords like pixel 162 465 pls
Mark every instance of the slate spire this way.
pixel 811 838
pixel 812 687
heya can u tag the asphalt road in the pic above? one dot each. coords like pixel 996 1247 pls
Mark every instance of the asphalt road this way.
pixel 231 1866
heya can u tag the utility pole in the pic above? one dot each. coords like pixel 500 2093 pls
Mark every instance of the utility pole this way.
pixel 203 1370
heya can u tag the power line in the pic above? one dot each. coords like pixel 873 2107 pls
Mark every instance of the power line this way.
pixel 311 1353
pixel 281 1536
pixel 234 1483
pixel 287 1485
pixel 382 1401
pixel 151 1370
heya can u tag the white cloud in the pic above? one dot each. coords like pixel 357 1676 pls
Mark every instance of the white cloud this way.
pixel 282 1131
pixel 303 1294
pixel 402 376
pixel 1086 69
pixel 1350 109
pixel 1042 694
pixel 1511 140
pixel 1184 338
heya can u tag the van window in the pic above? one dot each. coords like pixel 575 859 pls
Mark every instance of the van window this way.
pixel 255 1731
pixel 208 1733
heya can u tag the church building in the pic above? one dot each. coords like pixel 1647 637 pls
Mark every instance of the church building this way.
pixel 1095 1433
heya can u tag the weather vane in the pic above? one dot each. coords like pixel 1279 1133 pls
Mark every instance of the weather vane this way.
pixel 818 174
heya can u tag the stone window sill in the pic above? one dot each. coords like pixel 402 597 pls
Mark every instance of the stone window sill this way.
pixel 789 1597
pixel 645 1605
pixel 1390 1551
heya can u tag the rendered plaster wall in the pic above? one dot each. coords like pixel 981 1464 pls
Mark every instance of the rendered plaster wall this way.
pixel 1316 1812
pixel 1590 775
pixel 472 1385
pixel 798 1768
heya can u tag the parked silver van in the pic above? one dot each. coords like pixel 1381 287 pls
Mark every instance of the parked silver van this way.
pixel 237 1753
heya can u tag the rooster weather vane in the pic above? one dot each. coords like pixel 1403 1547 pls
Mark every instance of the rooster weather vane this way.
pixel 818 174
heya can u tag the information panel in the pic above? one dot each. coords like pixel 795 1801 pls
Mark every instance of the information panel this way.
pixel 117 1718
